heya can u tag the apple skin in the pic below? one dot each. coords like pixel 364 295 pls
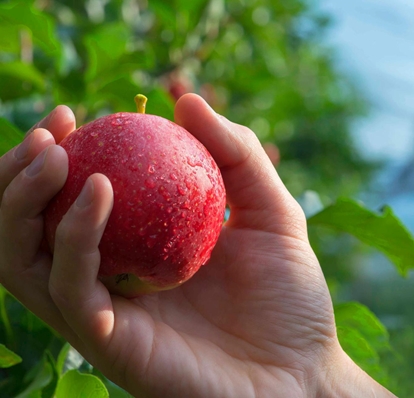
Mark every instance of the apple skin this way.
pixel 169 200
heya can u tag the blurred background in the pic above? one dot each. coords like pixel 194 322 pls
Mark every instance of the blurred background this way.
pixel 327 86
pixel 374 44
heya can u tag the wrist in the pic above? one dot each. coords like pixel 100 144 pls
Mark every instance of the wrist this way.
pixel 344 379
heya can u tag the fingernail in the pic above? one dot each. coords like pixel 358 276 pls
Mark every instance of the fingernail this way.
pixel 23 149
pixel 36 166
pixel 87 194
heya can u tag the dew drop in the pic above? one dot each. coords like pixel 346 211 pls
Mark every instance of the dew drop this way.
pixel 150 183
pixel 181 190
pixel 186 205
pixel 188 183
pixel 193 162
pixel 151 169
pixel 166 195
pixel 173 177
pixel 116 122
pixel 151 241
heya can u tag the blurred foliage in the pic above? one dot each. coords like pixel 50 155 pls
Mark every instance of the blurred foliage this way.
pixel 258 62
pixel 384 231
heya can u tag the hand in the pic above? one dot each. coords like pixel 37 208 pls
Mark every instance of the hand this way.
pixel 256 321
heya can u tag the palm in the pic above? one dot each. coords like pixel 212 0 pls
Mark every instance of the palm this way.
pixel 227 316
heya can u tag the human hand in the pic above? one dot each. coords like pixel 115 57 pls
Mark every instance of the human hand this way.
pixel 256 321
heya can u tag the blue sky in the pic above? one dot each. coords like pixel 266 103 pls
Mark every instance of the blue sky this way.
pixel 374 40
pixel 375 44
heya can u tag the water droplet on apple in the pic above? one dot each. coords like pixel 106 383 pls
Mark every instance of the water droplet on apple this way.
pixel 193 162
pixel 188 183
pixel 116 122
pixel 151 169
pixel 151 241
pixel 181 190
pixel 186 205
pixel 173 177
pixel 166 195
pixel 150 183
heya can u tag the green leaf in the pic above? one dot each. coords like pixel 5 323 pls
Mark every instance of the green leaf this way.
pixel 383 231
pixel 21 15
pixel 361 351
pixel 160 103
pixel 68 359
pixel 105 46
pixel 9 38
pixel 19 80
pixel 44 374
pixel 119 93
pixel 79 385
pixel 8 358
pixel 61 359
pixel 190 6
pixel 114 390
pixel 10 136
pixel 358 316
pixel 4 316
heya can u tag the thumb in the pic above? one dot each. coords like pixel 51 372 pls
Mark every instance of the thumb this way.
pixel 256 195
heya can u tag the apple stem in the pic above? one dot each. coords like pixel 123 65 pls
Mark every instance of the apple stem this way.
pixel 140 101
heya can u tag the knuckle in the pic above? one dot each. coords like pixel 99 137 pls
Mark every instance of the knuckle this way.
pixel 67 233
pixel 7 200
pixel 298 217
pixel 58 293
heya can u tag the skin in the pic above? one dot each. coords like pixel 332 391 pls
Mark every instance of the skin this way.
pixel 256 321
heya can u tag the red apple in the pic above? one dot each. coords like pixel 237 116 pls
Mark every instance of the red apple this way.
pixel 169 200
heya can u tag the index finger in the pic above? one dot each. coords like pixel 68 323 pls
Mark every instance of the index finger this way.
pixel 15 160
pixel 60 122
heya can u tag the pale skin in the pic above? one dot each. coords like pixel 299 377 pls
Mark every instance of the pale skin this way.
pixel 256 321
